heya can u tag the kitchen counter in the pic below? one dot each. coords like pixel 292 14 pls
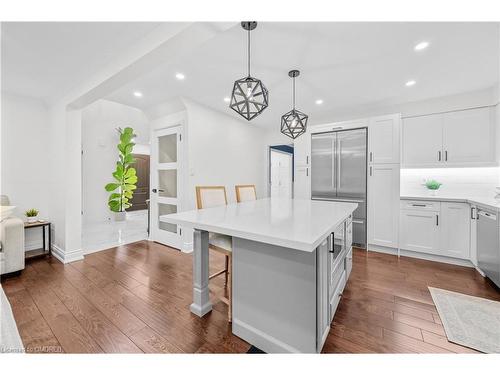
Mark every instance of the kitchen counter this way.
pixel 292 223
pixel 485 201
pixel 282 251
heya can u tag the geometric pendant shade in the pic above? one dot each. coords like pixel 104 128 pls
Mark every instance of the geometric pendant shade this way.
pixel 249 97
pixel 294 122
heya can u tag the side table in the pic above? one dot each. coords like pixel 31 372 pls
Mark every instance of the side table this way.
pixel 47 247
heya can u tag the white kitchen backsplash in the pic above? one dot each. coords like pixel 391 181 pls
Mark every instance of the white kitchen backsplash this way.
pixel 459 181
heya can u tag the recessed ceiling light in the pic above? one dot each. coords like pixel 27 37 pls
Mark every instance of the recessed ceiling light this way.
pixel 138 94
pixel 319 101
pixel 180 76
pixel 422 45
pixel 410 83
pixel 227 99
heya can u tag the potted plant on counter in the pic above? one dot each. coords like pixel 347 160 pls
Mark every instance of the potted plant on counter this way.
pixel 32 215
pixel 122 189
pixel 433 186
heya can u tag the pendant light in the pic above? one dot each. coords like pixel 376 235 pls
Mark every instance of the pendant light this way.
pixel 249 97
pixel 294 122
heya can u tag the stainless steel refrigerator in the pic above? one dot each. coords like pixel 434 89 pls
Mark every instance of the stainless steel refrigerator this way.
pixel 338 172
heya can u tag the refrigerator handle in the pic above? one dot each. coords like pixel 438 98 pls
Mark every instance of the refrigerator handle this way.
pixel 334 163
pixel 338 152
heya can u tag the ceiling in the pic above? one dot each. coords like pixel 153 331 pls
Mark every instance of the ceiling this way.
pixel 347 65
pixel 47 59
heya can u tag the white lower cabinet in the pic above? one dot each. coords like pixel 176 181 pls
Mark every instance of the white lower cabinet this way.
pixel 383 204
pixel 455 230
pixel 419 230
pixel 439 228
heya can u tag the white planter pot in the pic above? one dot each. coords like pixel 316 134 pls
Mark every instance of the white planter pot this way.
pixel 32 219
pixel 120 216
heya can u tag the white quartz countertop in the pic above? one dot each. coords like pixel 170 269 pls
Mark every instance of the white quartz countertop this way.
pixel 294 223
pixel 485 201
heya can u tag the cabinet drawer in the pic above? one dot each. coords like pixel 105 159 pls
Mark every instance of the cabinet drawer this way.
pixel 420 205
pixel 336 275
pixel 337 295
pixel 348 264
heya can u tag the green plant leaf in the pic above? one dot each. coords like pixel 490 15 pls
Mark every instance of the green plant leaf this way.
pixel 130 172
pixel 112 186
pixel 114 196
pixel 129 187
pixel 131 180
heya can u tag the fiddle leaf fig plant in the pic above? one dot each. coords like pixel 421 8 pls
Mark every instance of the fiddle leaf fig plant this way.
pixel 125 177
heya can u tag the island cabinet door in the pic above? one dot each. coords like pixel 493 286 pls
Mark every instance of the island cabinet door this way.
pixel 323 308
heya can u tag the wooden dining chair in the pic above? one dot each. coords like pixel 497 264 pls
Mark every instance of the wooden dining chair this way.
pixel 245 193
pixel 213 196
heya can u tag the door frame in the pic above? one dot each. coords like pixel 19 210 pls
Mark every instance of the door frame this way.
pixel 268 174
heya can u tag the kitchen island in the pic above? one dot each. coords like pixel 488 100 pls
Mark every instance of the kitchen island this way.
pixel 291 261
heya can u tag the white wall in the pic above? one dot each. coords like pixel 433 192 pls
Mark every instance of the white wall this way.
pixel 456 181
pixel 219 150
pixel 223 151
pixel 24 157
pixel 99 140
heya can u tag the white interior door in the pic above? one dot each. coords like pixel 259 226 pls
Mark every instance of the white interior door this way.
pixel 165 182
pixel 281 174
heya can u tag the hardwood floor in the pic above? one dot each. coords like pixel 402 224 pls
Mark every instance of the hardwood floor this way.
pixel 136 298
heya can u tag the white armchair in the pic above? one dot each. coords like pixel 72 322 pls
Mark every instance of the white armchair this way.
pixel 11 242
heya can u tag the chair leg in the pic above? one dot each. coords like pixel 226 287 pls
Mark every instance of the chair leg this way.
pixel 226 270
pixel 230 289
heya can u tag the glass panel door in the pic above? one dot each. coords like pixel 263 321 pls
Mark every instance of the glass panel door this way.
pixel 165 169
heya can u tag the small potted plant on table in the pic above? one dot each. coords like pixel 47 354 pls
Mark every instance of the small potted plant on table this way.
pixel 32 215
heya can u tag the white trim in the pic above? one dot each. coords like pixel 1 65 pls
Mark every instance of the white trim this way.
pixel 66 256
pixel 260 339
pixel 414 254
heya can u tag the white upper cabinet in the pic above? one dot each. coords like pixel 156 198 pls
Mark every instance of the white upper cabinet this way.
pixel 459 138
pixel 468 136
pixel 383 139
pixel 422 140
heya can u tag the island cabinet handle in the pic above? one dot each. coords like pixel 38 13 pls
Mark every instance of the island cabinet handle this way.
pixel 419 205
pixel 332 238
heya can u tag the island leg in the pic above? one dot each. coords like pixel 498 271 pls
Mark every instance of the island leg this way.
pixel 201 299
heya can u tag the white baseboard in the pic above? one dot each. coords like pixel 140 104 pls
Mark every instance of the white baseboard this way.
pixel 260 339
pixel 417 255
pixel 66 256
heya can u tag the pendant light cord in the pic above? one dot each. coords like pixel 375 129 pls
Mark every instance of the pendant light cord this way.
pixel 249 52
pixel 293 95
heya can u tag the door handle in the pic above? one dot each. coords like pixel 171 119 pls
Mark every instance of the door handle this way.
pixel 439 155
pixel 154 191
pixel 158 191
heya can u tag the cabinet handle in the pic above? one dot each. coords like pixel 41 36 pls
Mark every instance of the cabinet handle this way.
pixel 371 156
pixel 446 155
pixel 341 294
pixel 419 205
pixel 307 159
pixel 307 172
pixel 437 220
pixel 439 155
pixel 332 239
pixel 472 216
pixel 370 170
